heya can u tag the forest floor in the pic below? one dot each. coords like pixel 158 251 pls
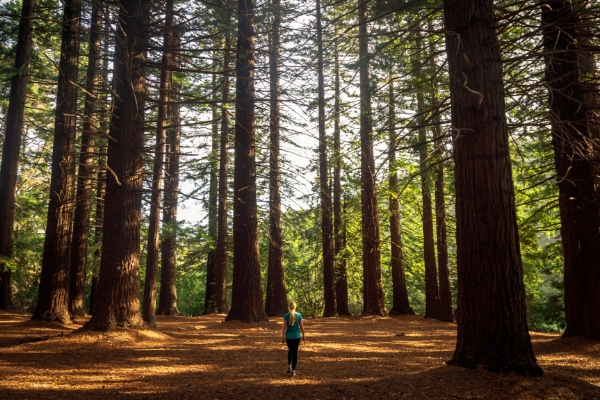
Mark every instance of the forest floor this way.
pixel 205 358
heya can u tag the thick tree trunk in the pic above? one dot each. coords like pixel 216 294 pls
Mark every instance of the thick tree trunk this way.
pixel 400 303
pixel 586 39
pixel 432 298
pixel 574 146
pixel 276 302
pixel 117 299
pixel 162 117
pixel 341 276
pixel 246 300
pixel 221 268
pixel 213 194
pixel 83 201
pixel 170 203
pixel 373 288
pixel 326 223
pixel 12 147
pixel 492 321
pixel 53 295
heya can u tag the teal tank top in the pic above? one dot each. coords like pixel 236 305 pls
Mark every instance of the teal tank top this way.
pixel 293 331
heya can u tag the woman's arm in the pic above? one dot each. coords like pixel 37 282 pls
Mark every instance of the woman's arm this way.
pixel 302 330
pixel 283 330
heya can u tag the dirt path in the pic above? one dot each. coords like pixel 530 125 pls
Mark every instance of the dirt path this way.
pixel 344 358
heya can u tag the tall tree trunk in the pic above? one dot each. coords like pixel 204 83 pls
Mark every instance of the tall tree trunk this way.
pixel 574 147
pixel 276 303
pixel 213 198
pixel 53 295
pixel 492 321
pixel 101 176
pixel 372 286
pixel 12 147
pixel 341 279
pixel 400 304
pixel 221 267
pixel 83 201
pixel 589 75
pixel 170 203
pixel 326 223
pixel 150 284
pixel 117 299
pixel 432 297
pixel 246 300
pixel 445 312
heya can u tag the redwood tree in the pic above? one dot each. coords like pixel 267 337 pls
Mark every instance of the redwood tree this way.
pixel 574 144
pixel 149 304
pixel 83 201
pixel 341 276
pixel 432 297
pixel 12 146
pixel 492 321
pixel 171 200
pixel 117 298
pixel 325 193
pixel 276 302
pixel 246 297
pixel 400 304
pixel 53 294
pixel 372 285
pixel 213 194
pixel 221 266
pixel 445 312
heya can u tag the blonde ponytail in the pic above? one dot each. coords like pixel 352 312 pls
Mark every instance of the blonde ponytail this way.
pixel 292 308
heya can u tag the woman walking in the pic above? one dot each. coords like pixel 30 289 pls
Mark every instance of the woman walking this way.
pixel 290 334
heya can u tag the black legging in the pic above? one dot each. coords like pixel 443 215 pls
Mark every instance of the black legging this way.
pixel 292 345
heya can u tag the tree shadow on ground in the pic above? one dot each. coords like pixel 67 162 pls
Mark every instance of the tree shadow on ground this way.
pixel 344 358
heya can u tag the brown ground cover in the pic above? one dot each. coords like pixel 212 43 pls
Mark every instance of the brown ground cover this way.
pixel 205 358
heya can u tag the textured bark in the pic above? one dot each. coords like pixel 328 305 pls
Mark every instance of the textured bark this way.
pixel 150 284
pixel 573 144
pixel 586 39
pixel 492 322
pixel 276 302
pixel 53 294
pixel 400 304
pixel 341 275
pixel 213 198
pixel 101 177
pixel 12 147
pixel 83 200
pixel 432 298
pixel 221 268
pixel 170 203
pixel 246 297
pixel 117 299
pixel 325 193
pixel 372 285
